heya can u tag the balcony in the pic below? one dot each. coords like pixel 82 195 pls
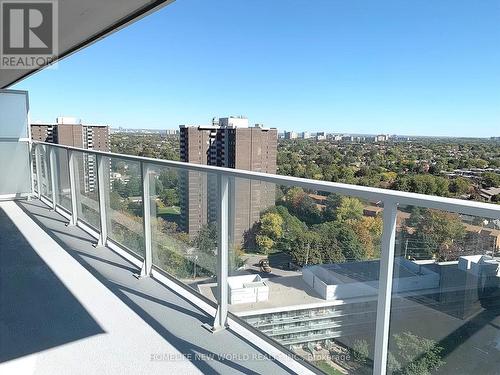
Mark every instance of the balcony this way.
pixel 79 247
pixel 68 307
pixel 100 275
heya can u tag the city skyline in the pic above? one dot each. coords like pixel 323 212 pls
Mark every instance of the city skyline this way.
pixel 412 69
pixel 312 133
pixel 302 133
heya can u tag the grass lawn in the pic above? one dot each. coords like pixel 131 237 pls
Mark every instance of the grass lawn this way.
pixel 174 210
pixel 324 366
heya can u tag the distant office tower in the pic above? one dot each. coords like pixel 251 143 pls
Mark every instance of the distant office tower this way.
pixel 320 136
pixel 71 132
pixel 382 138
pixel 337 138
pixel 305 135
pixel 171 132
pixel 228 142
pixel 290 135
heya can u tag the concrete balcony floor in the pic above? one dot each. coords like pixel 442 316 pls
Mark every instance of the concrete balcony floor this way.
pixel 69 308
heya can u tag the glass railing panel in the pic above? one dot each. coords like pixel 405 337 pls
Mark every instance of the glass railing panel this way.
pixel 87 188
pixel 15 156
pixel 123 192
pixel 45 182
pixel 63 191
pixel 184 225
pixel 304 270
pixel 446 288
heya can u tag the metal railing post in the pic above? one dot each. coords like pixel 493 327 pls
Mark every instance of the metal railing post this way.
pixel 146 209
pixel 385 287
pixel 52 162
pixel 31 148
pixel 220 321
pixel 72 187
pixel 101 191
pixel 38 167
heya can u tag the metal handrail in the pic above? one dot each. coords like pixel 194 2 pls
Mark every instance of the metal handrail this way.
pixel 486 210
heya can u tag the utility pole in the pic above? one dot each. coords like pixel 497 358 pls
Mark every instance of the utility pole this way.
pixel 307 252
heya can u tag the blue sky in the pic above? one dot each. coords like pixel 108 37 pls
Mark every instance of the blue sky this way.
pixel 416 67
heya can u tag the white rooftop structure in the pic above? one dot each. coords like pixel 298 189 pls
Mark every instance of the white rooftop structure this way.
pixel 476 264
pixel 360 279
pixel 233 122
pixel 247 289
pixel 65 120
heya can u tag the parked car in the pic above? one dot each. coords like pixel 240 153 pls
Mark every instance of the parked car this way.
pixel 264 266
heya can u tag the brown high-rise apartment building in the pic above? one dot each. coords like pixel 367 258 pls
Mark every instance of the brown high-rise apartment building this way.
pixel 71 132
pixel 228 142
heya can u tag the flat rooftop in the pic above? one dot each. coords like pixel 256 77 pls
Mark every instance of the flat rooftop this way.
pixel 292 292
pixel 67 307
pixel 352 272
pixel 285 293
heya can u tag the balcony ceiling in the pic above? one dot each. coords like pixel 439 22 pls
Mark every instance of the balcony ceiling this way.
pixel 82 23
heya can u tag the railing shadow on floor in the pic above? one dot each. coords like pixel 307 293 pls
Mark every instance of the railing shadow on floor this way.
pixel 37 311
pixel 199 356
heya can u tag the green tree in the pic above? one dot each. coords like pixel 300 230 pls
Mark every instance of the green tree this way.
pixel 349 209
pixel 134 186
pixel 416 214
pixel 423 184
pixel 459 186
pixel 309 211
pixel 292 228
pixel 270 231
pixel 302 205
pixel 169 178
pixel 306 249
pixel 490 179
pixel 442 186
pixel 351 246
pixel 360 351
pixel 271 225
pixel 332 203
pixel 116 201
pixel 440 235
pixel 294 197
pixel 120 188
pixel 206 240
pixel 402 183
pixel 339 242
pixel 369 233
pixel 205 249
pixel 414 355
pixel 265 243
pixel 169 197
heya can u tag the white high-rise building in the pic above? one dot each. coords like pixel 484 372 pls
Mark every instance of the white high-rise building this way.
pixel 305 135
pixel 232 122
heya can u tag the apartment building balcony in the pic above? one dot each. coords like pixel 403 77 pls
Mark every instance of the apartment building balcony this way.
pixel 319 327
pixel 93 281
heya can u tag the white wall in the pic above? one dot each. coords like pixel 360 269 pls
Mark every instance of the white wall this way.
pixel 13 114
pixel 15 174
